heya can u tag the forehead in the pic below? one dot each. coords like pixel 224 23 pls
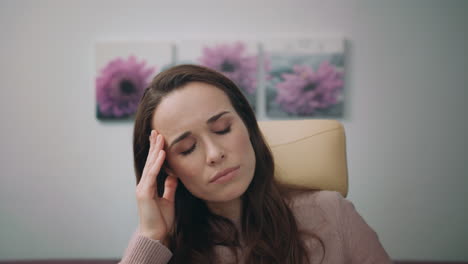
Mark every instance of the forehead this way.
pixel 189 107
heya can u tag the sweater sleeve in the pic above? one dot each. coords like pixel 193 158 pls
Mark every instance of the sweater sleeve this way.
pixel 361 243
pixel 143 250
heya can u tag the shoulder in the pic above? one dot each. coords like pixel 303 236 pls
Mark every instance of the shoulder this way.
pixel 316 207
pixel 325 200
pixel 335 220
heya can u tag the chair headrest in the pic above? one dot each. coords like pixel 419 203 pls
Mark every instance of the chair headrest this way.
pixel 309 153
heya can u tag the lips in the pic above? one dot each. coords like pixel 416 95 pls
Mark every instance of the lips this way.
pixel 223 173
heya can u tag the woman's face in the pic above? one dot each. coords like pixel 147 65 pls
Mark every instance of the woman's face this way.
pixel 207 144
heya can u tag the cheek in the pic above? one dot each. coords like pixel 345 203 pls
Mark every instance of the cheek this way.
pixel 185 168
pixel 242 143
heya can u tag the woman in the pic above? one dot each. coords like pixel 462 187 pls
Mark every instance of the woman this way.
pixel 206 191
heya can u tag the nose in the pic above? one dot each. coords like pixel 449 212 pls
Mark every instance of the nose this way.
pixel 214 153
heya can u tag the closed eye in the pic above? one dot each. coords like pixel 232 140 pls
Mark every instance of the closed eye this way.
pixel 225 131
pixel 188 151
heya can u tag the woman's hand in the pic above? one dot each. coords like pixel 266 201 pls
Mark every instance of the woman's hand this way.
pixel 156 213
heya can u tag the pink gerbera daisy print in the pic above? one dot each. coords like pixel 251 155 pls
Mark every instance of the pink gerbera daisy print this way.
pixel 120 85
pixel 304 91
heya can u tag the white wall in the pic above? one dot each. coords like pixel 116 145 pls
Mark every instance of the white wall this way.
pixel 67 184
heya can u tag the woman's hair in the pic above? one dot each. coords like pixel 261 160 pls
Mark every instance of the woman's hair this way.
pixel 268 227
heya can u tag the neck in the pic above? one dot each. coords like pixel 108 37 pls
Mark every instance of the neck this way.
pixel 229 209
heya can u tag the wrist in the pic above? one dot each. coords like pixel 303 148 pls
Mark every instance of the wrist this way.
pixel 154 235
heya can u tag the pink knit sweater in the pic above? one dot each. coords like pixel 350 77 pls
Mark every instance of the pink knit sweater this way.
pixel 345 235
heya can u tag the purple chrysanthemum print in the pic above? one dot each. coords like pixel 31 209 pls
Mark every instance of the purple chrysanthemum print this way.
pixel 120 85
pixel 232 61
pixel 305 91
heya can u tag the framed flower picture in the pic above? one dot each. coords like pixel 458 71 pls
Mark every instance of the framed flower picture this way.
pixel 306 78
pixel 123 71
pixel 236 59
pixel 281 79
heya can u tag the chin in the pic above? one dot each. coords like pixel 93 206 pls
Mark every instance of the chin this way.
pixel 230 193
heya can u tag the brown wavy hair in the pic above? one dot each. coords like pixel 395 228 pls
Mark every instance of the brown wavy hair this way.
pixel 268 227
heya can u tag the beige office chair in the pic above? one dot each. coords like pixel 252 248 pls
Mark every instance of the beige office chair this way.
pixel 309 153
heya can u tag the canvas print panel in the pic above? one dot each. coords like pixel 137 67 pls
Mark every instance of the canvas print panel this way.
pixel 123 71
pixel 306 78
pixel 236 59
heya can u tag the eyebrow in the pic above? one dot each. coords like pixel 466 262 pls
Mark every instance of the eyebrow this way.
pixel 188 133
pixel 216 117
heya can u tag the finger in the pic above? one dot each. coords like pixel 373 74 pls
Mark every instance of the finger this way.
pixel 153 143
pixel 170 187
pixel 159 143
pixel 154 171
pixel 155 147
pixel 151 140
